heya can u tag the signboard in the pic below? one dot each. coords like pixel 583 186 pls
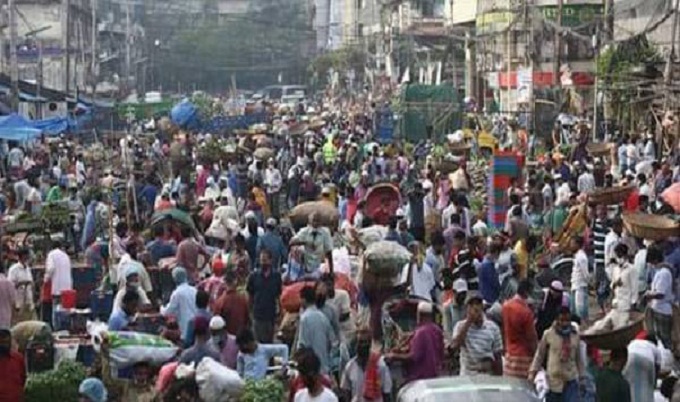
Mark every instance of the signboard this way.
pixel 573 15
pixel 525 84
pixel 141 111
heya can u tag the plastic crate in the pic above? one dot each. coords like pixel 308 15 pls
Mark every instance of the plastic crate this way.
pixel 101 304
pixel 83 293
pixel 73 321
pixel 85 276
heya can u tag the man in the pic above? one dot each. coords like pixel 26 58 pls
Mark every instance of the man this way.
pixel 553 301
pixel 624 281
pixel 518 227
pixel 182 304
pixel 434 255
pixel 252 233
pixel 202 346
pixel 214 284
pixel 264 288
pixel 422 280
pixel 610 384
pixel 580 277
pixel 271 240
pixel 310 369
pixel 273 183
pixel 58 271
pixel 8 299
pixel 12 370
pixel 586 180
pixel 416 208
pixel 22 279
pixel 523 251
pixel 559 349
pixel 340 301
pixel 160 248
pixel 660 296
pixel 519 333
pixel 132 283
pixel 223 342
pixel 489 283
pixel 317 242
pixel 253 357
pixel 478 339
pixel 315 330
pixel 426 348
pixel 122 319
pixel 642 368
pixel 202 301
pixel 454 307
pixel 130 262
pixel 188 253
pixel 599 231
pixel 233 306
pixel 366 377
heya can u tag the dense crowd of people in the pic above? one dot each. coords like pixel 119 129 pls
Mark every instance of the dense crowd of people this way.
pixel 499 301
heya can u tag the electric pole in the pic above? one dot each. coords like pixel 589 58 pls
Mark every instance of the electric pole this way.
pixel 67 44
pixel 128 38
pixel 14 64
pixel 93 55
pixel 558 45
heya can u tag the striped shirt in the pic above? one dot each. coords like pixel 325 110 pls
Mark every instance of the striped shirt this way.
pixel 480 345
pixel 599 233
pixel 464 268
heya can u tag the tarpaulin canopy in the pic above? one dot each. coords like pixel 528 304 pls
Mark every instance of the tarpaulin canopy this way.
pixel 51 126
pixel 17 128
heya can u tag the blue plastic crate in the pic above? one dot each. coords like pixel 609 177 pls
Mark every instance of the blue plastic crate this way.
pixel 101 304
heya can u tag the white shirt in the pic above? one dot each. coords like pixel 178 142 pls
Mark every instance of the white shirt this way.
pixel 640 268
pixel 422 281
pixel 610 241
pixel 19 273
pixel 273 180
pixel 563 192
pixel 58 270
pixel 586 183
pixel 624 295
pixel 326 396
pixel 663 284
pixel 579 273
pixel 632 154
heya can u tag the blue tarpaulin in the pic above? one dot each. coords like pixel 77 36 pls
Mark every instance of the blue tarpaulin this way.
pixel 51 126
pixel 17 128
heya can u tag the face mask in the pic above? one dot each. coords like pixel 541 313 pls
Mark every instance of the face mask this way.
pixel 133 285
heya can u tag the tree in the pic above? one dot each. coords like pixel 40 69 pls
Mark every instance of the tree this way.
pixel 619 69
pixel 255 47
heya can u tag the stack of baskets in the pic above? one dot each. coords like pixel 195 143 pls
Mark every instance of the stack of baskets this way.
pixel 599 149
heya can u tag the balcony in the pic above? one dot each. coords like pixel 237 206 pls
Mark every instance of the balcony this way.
pixel 423 18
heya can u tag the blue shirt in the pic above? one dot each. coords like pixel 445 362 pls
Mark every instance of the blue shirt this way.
pixel 182 306
pixel 272 242
pixel 119 320
pixel 254 366
pixel 159 249
pixel 489 285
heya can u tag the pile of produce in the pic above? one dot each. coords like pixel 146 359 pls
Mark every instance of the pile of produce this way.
pixel 386 258
pixel 56 215
pixel 213 152
pixel 479 178
pixel 60 384
pixel 268 389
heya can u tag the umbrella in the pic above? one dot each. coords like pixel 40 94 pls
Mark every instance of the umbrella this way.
pixel 671 196
pixel 173 215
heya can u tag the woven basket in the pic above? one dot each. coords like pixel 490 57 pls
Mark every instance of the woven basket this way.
pixel 328 214
pixel 460 148
pixel 618 338
pixel 596 149
pixel 609 195
pixel 651 227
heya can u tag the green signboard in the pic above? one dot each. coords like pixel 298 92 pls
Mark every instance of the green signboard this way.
pixel 140 111
pixel 573 15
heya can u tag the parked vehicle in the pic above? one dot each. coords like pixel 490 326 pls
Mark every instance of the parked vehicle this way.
pixel 482 388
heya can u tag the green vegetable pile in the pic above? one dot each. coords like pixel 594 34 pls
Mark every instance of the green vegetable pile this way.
pixel 267 390
pixel 60 384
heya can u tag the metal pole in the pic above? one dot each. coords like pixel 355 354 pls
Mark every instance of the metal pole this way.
pixel 558 44
pixel 39 80
pixel 93 56
pixel 14 65
pixel 596 46
pixel 67 45
pixel 128 35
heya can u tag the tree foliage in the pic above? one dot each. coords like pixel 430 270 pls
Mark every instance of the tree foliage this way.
pixel 269 39
pixel 343 59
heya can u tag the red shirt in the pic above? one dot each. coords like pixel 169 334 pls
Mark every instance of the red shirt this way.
pixel 519 333
pixel 13 374
pixel 235 310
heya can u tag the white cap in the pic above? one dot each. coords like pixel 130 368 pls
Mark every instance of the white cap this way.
pixel 425 307
pixel 217 323
pixel 460 285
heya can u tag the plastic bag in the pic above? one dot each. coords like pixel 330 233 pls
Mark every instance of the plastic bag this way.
pixel 666 365
pixel 129 348
pixel 386 258
pixel 217 383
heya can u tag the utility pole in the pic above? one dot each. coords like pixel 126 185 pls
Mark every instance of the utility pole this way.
pixel 67 44
pixel 14 64
pixel 557 57
pixel 128 37
pixel 596 48
pixel 531 57
pixel 93 52
pixel 668 76
pixel 39 79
